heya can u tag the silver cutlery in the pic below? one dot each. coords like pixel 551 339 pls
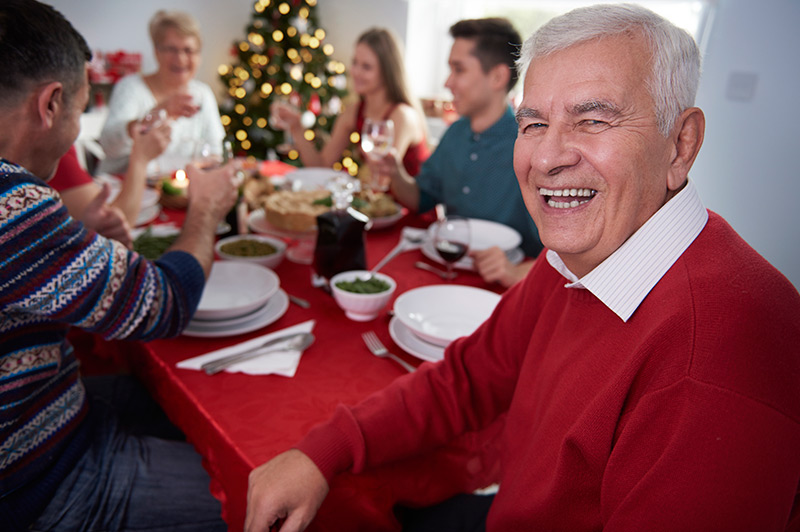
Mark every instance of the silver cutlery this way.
pixel 299 301
pixel 427 267
pixel 294 342
pixel 379 350
pixel 408 238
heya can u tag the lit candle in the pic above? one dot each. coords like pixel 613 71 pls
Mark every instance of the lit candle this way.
pixel 177 185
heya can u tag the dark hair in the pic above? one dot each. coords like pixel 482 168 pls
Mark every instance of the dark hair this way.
pixel 496 43
pixel 38 45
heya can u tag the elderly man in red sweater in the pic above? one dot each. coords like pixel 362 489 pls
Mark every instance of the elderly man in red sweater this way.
pixel 648 367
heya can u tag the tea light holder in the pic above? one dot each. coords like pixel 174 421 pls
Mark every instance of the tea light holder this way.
pixel 174 191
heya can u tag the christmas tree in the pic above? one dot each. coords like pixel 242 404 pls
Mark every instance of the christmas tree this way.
pixel 283 57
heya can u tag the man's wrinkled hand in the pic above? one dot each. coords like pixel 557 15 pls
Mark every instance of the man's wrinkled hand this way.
pixel 288 489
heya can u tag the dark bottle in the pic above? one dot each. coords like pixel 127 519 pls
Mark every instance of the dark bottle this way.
pixel 340 233
pixel 235 219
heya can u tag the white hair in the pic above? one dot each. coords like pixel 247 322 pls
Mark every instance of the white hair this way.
pixel 675 71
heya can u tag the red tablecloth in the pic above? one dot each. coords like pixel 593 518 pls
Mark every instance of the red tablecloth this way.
pixel 239 421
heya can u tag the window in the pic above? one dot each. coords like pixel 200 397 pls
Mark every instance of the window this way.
pixel 428 42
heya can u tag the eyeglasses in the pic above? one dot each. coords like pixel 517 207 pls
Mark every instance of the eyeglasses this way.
pixel 172 50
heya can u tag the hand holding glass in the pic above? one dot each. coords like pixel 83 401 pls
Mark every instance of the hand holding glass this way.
pixel 451 240
pixel 377 139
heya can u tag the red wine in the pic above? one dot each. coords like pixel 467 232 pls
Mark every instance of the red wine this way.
pixel 450 251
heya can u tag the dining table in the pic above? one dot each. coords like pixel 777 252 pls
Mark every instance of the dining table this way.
pixel 238 421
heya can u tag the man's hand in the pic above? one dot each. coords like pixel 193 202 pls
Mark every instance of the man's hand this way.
pixel 107 220
pixel 493 265
pixel 288 488
pixel 213 190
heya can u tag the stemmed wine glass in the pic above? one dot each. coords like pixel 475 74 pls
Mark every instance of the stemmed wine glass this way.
pixel 282 105
pixel 451 240
pixel 377 139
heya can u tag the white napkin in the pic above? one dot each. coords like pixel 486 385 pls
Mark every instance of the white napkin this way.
pixel 279 363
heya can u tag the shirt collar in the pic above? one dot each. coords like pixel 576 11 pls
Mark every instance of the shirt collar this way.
pixel 624 279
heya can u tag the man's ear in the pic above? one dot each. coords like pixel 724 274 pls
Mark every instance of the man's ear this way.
pixel 499 76
pixel 687 137
pixel 50 102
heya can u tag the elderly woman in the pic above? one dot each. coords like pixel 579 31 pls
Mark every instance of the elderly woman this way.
pixel 170 93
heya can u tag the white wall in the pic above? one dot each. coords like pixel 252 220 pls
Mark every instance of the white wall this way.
pixel 747 170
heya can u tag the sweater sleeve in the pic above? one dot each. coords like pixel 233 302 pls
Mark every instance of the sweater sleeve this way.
pixel 420 411
pixel 53 268
pixel 687 452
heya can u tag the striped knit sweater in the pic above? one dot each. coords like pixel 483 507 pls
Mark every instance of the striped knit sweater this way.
pixel 55 274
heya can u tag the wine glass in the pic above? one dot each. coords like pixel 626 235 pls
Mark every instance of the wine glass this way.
pixel 377 139
pixel 451 241
pixel 279 106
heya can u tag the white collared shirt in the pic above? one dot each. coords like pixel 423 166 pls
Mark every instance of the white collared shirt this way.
pixel 624 279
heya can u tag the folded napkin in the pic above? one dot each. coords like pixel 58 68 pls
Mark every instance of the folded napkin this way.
pixel 279 363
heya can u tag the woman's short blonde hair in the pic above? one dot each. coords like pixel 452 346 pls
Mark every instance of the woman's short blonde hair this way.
pixel 184 23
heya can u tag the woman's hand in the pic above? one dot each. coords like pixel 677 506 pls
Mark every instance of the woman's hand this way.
pixel 177 105
pixel 285 116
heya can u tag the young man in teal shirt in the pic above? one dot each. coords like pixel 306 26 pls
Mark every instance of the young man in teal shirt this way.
pixel 472 171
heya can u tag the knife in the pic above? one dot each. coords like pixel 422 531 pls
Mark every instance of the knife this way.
pixel 295 341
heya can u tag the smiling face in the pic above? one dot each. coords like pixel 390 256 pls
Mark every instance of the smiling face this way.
pixel 178 57
pixel 590 161
pixel 470 85
pixel 365 70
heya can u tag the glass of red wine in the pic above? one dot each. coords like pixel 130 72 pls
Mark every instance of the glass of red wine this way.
pixel 451 240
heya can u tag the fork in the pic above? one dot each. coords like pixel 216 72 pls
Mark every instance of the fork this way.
pixel 379 350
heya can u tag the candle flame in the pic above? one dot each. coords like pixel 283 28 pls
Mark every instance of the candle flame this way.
pixel 180 175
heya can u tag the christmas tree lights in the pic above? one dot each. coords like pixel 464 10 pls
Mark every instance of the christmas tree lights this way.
pixel 283 56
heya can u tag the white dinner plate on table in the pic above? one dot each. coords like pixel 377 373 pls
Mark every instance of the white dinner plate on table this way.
pixel 413 344
pixel 234 289
pixel 148 214
pixel 269 313
pixel 383 222
pixel 149 195
pixel 443 312
pixel 312 178
pixel 483 234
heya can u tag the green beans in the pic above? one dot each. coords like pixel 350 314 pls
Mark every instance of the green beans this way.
pixel 152 247
pixel 248 247
pixel 372 285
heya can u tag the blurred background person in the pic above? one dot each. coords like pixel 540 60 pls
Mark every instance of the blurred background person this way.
pixel 169 94
pixel 471 171
pixel 87 200
pixel 379 79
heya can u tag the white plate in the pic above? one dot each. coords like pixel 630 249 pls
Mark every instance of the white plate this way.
pixel 149 195
pixel 484 234
pixel 515 256
pixel 413 344
pixel 269 313
pixel 257 221
pixel 234 289
pixel 441 313
pixel 148 214
pixel 388 221
pixel 312 178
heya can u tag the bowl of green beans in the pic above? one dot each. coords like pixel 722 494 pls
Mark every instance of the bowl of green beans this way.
pixel 259 249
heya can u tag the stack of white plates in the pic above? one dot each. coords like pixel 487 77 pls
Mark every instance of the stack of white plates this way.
pixel 239 297
pixel 483 235
pixel 427 319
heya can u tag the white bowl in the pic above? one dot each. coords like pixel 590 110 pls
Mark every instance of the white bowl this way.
pixel 236 288
pixel 270 261
pixel 361 307
pixel 441 313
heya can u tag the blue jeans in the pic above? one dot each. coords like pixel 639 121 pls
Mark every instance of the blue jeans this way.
pixel 130 479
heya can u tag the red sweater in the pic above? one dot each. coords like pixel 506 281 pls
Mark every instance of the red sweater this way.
pixel 687 417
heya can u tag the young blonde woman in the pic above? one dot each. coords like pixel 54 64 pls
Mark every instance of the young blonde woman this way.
pixel 171 93
pixel 378 77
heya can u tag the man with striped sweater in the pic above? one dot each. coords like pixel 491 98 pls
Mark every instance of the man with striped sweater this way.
pixel 65 462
